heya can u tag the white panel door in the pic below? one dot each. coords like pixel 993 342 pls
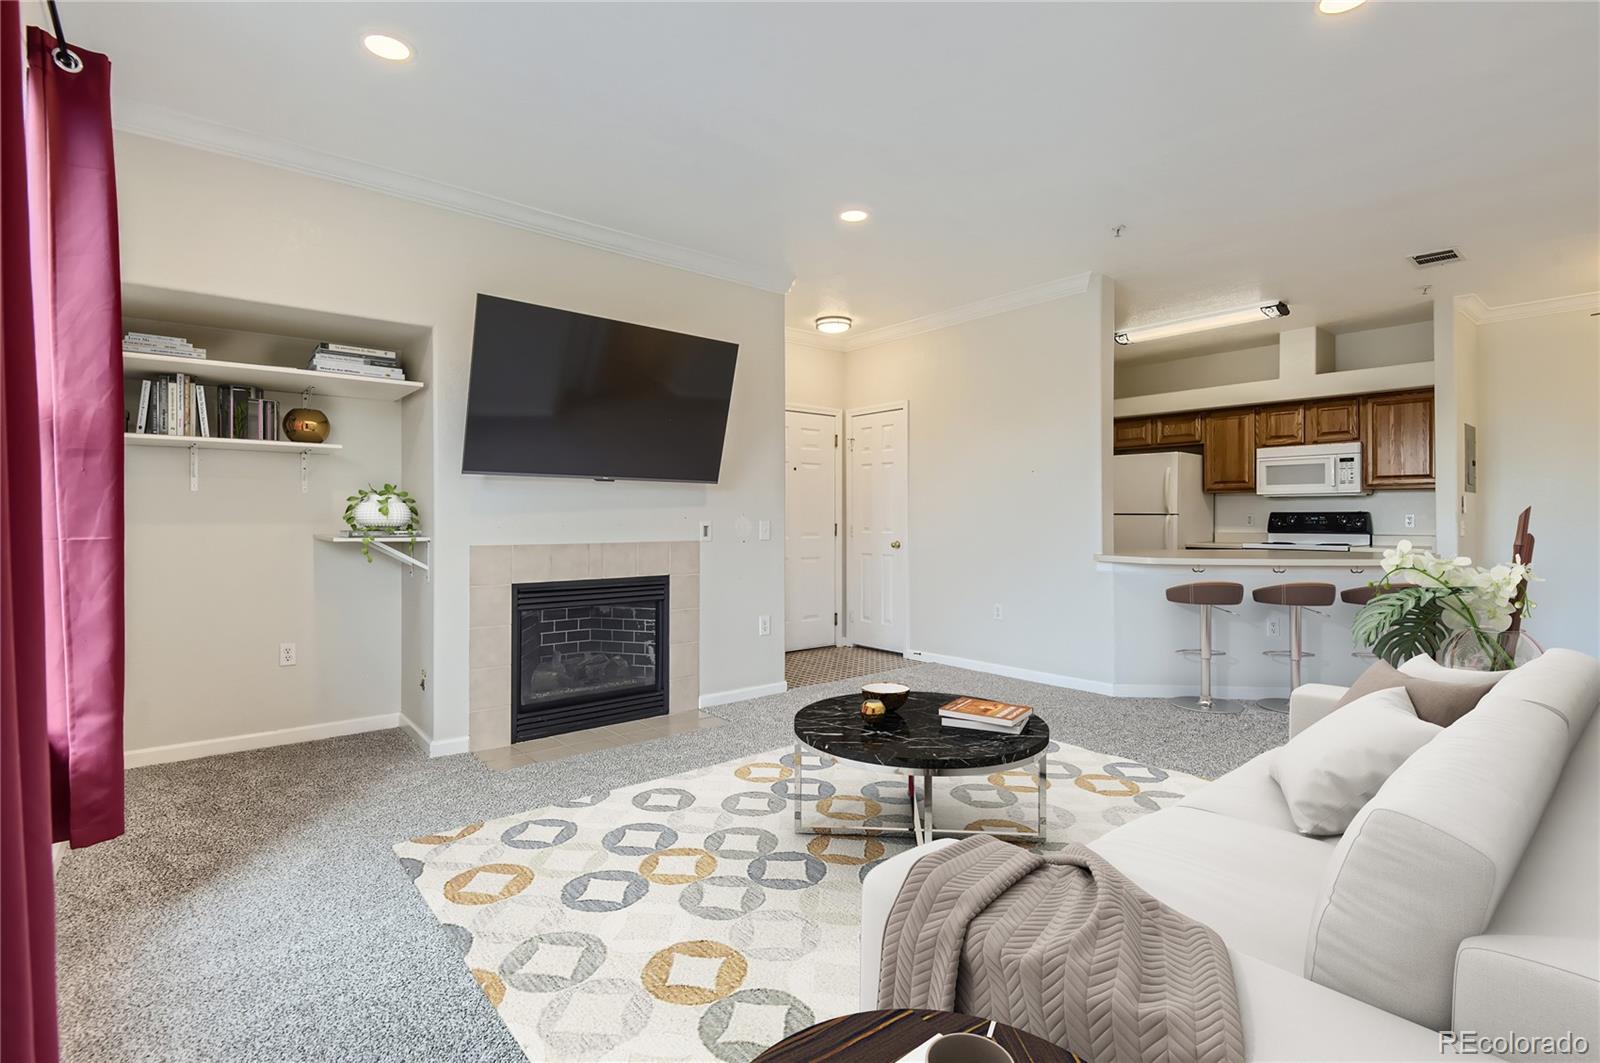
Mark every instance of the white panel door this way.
pixel 810 536
pixel 875 582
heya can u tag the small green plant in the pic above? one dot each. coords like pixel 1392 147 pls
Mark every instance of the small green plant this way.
pixel 385 498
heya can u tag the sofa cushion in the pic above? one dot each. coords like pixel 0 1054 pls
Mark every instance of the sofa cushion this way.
pixel 1288 1018
pixel 1248 792
pixel 1424 864
pixel 1438 701
pixel 1252 884
pixel 1335 766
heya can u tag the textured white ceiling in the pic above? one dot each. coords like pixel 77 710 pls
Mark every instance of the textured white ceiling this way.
pixel 1252 150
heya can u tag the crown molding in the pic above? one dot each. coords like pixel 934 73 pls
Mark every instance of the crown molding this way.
pixel 176 127
pixel 812 338
pixel 994 304
pixel 1481 313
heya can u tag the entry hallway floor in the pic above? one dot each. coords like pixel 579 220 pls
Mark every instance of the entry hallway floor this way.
pixel 254 910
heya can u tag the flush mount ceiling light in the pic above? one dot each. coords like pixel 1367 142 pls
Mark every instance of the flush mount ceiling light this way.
pixel 1202 322
pixel 853 215
pixel 385 47
pixel 1338 7
pixel 834 324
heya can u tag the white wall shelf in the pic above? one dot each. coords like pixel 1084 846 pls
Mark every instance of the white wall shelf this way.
pixel 195 444
pixel 386 545
pixel 271 377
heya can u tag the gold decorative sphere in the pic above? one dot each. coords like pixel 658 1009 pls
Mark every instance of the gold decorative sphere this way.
pixel 306 426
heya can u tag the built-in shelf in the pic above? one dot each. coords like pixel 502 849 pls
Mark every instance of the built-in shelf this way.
pixel 385 545
pixel 139 439
pixel 271 377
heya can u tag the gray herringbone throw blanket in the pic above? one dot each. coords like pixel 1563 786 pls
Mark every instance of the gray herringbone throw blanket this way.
pixel 1064 947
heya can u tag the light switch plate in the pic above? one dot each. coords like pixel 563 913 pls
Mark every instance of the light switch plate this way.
pixel 764 530
pixel 705 531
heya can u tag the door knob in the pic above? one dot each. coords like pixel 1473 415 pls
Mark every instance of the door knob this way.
pixel 895 545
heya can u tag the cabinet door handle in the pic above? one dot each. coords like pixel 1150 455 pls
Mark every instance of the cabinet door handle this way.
pixel 895 545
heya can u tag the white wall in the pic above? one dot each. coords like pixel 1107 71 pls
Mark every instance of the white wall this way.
pixel 1539 446
pixel 1159 376
pixel 814 376
pixel 1455 403
pixel 1241 514
pixel 1391 345
pixel 194 221
pixel 1008 436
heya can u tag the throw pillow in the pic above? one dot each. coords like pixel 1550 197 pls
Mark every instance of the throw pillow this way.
pixel 1332 768
pixel 1441 699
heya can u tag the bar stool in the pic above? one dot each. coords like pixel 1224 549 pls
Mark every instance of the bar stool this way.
pixel 1359 596
pixel 1206 595
pixel 1297 596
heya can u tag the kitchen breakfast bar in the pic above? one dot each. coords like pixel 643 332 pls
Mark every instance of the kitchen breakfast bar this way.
pixel 1150 630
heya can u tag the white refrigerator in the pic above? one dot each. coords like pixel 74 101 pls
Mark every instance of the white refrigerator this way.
pixel 1159 502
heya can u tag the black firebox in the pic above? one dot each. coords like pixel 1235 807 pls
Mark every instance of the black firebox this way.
pixel 587 653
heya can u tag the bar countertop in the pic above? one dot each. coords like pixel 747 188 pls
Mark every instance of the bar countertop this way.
pixel 1223 558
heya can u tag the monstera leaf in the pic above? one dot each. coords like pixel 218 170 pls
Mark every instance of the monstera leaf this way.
pixel 1403 622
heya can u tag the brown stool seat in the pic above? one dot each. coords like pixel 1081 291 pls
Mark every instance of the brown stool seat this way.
pixel 1302 594
pixel 1214 592
pixel 1359 595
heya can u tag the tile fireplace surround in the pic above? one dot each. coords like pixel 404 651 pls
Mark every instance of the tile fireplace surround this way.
pixel 494 569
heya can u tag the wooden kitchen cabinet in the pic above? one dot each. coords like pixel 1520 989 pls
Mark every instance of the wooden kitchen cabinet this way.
pixel 1397 439
pixel 1179 429
pixel 1338 421
pixel 1280 426
pixel 1132 433
pixel 1230 450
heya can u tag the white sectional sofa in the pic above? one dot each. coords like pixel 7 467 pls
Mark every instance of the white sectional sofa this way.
pixel 1462 898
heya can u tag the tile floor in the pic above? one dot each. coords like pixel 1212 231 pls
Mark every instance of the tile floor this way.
pixel 803 668
pixel 612 736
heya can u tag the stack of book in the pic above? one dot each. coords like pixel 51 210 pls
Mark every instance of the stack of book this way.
pixel 151 343
pixel 980 715
pixel 243 413
pixel 360 361
pixel 172 404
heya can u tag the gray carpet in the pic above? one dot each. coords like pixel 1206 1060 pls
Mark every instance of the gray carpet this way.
pixel 255 912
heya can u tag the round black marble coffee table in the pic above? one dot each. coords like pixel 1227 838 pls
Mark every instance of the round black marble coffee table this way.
pixel 912 742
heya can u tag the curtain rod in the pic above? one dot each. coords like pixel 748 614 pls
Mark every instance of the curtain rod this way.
pixel 63 54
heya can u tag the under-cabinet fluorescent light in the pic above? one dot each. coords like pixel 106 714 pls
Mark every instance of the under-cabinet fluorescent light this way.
pixel 833 324
pixel 1201 323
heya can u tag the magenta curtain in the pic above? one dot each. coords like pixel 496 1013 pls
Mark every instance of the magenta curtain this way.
pixel 27 901
pixel 77 298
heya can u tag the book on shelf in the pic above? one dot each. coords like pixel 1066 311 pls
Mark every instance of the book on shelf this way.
pixel 357 369
pixel 144 407
pixel 348 348
pixel 987 715
pixel 152 343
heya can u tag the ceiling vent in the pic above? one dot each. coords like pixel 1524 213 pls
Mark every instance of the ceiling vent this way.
pixel 1436 258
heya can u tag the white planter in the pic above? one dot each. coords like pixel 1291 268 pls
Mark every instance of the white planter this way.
pixel 368 517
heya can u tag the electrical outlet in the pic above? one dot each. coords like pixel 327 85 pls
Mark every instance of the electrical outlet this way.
pixel 999 613
pixel 763 625
pixel 1411 520
pixel 764 530
pixel 1274 627
pixel 1249 518
pixel 705 531
pixel 286 657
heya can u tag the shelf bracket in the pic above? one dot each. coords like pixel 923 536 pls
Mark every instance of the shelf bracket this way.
pixel 194 467
pixel 402 557
pixel 305 472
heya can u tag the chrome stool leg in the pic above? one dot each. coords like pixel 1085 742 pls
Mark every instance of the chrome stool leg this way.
pixel 1204 702
pixel 1295 654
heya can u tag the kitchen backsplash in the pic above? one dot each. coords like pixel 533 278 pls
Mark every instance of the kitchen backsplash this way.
pixel 1243 517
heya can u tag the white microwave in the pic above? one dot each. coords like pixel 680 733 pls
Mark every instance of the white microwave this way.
pixel 1304 472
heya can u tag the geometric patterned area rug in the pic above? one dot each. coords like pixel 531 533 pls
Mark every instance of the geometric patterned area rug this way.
pixel 685 919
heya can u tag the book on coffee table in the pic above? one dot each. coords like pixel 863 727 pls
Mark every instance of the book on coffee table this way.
pixel 982 715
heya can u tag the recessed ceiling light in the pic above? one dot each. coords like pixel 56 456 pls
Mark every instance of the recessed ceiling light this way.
pixel 1338 7
pixel 385 47
pixel 834 324
pixel 854 214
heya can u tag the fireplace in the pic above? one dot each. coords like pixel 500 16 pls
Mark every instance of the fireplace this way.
pixel 586 653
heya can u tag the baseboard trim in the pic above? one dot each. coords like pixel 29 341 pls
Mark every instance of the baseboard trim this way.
pixel 1092 686
pixel 210 747
pixel 444 747
pixel 728 697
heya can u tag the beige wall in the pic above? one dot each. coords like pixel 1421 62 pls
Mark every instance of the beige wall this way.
pixel 197 222
pixel 814 376
pixel 1539 445
pixel 1008 433
pixel 1157 376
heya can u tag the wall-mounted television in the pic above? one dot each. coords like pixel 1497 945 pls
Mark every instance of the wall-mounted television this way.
pixel 556 393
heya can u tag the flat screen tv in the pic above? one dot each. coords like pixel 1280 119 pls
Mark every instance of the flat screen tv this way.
pixel 555 393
